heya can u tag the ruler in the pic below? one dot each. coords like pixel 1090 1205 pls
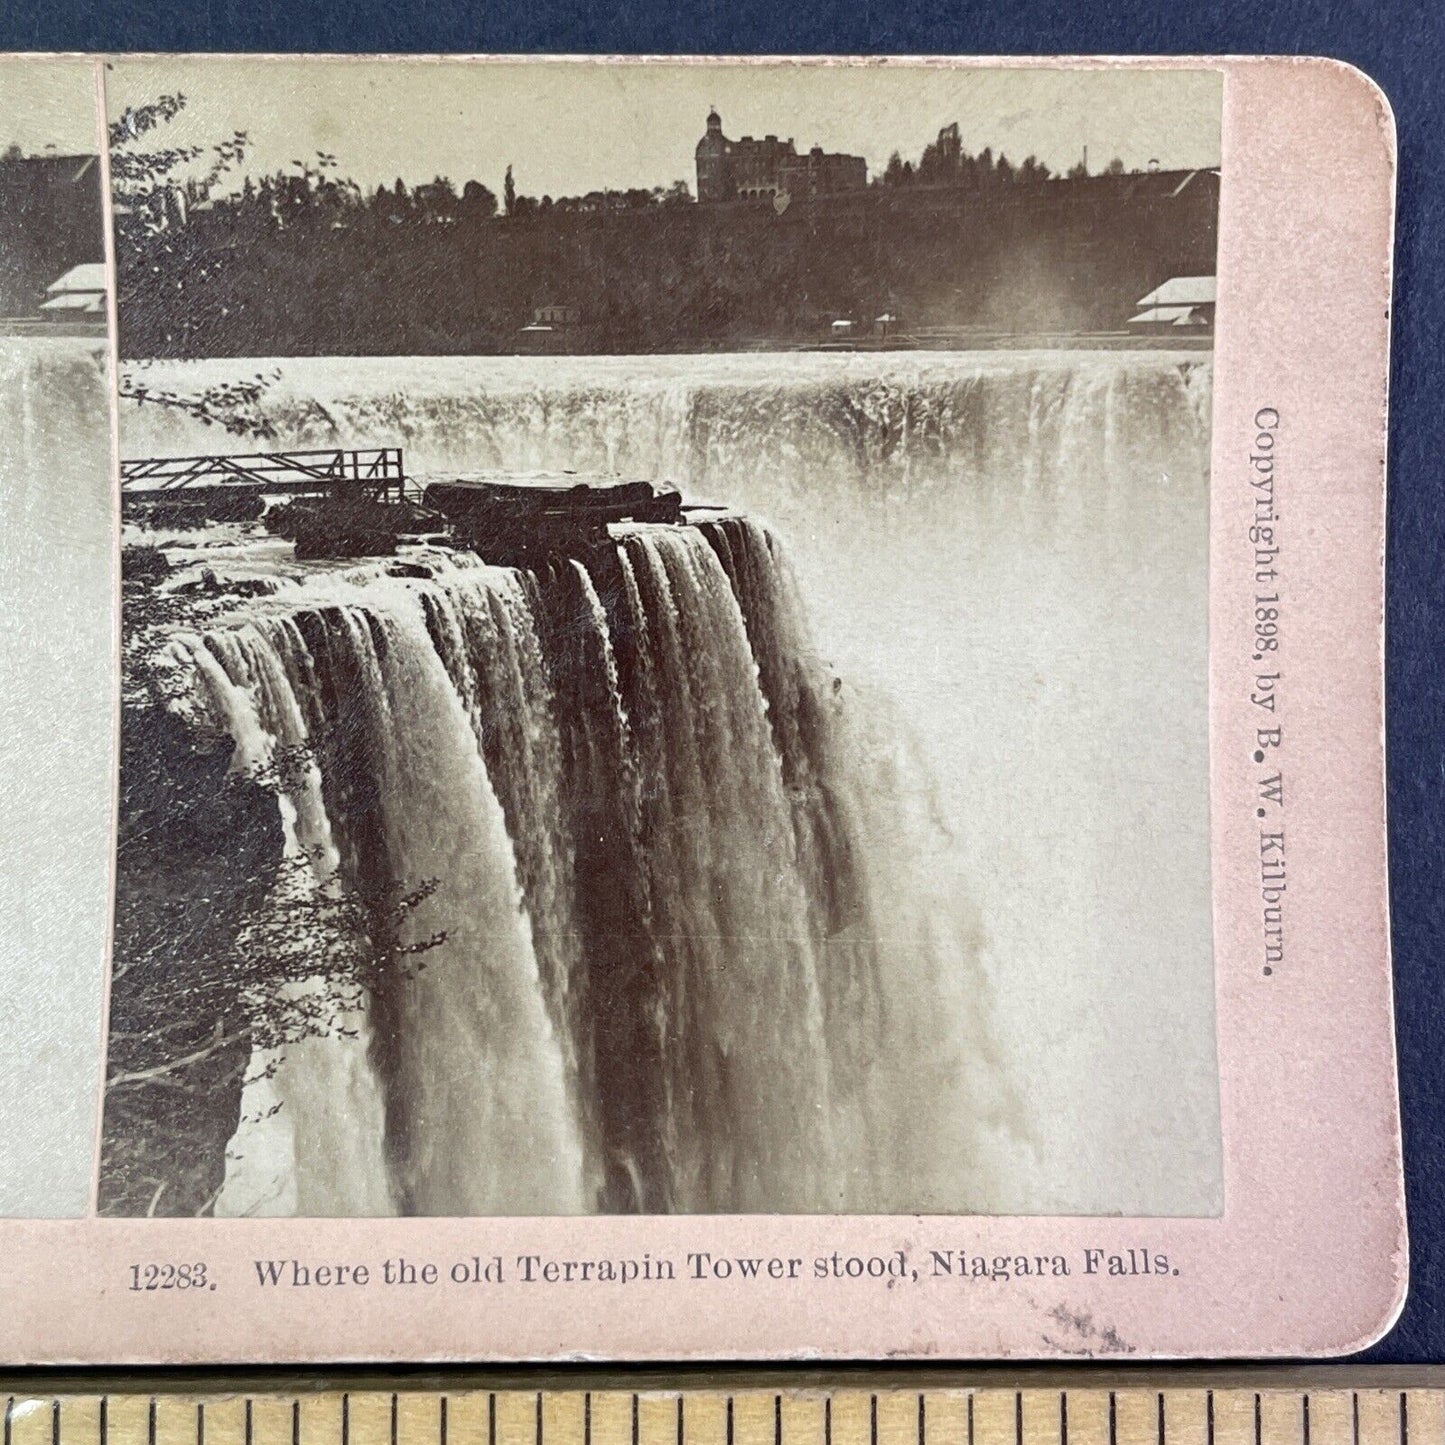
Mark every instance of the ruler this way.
pixel 1330 1413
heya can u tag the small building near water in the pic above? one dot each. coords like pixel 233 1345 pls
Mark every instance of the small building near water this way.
pixel 78 295
pixel 51 219
pixel 1183 303
pixel 556 314
pixel 555 327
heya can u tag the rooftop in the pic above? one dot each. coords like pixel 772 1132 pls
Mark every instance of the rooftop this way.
pixel 1182 291
pixel 89 276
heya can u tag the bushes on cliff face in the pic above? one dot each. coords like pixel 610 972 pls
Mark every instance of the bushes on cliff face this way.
pixel 225 946
pixel 193 854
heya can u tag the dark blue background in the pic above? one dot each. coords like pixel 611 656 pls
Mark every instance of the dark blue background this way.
pixel 1401 45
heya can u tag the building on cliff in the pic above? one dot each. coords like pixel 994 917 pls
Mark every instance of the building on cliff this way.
pixel 751 169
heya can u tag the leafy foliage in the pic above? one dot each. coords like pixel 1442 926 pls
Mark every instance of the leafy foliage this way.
pixel 308 961
pixel 147 180
pixel 225 943
pixel 944 162
pixel 234 406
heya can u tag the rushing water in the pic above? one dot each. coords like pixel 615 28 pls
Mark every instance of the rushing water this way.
pixel 680 953
pixel 915 916
pixel 57 622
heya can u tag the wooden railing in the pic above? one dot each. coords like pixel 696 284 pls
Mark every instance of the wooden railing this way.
pixel 378 470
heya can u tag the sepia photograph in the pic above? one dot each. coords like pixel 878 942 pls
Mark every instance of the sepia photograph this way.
pixel 664 633
pixel 57 544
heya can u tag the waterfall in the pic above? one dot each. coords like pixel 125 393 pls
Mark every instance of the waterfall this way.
pixel 57 769
pixel 670 968
pixel 314 1102
pixel 413 1104
pixel 896 770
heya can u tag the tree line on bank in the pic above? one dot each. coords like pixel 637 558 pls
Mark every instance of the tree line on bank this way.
pixel 944 162
pixel 159 186
pixel 306 261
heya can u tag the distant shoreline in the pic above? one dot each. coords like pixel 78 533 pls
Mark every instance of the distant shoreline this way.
pixel 1002 341
pixel 963 345
pixel 33 326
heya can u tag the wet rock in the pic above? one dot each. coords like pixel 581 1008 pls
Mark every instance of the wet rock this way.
pixel 209 584
pixel 144 562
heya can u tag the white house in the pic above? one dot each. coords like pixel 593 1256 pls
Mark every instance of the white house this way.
pixel 80 293
pixel 1185 302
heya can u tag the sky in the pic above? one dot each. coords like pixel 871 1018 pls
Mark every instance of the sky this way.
pixel 568 127
pixel 45 102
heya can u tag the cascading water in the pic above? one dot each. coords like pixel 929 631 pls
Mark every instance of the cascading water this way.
pixel 977 838
pixel 664 984
pixel 316 1102
pixel 57 769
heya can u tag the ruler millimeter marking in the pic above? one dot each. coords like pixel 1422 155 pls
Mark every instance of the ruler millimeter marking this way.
pixel 891 1416
pixel 750 1417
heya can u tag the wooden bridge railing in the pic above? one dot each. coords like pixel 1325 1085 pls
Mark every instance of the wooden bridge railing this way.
pixel 379 470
